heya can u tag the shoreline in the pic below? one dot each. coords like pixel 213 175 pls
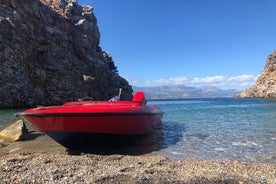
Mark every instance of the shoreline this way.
pixel 148 168
pixel 32 162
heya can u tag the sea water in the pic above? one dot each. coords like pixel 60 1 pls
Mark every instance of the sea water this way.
pixel 220 129
pixel 213 128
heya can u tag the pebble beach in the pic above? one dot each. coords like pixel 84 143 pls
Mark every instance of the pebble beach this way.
pixel 51 167
pixel 42 160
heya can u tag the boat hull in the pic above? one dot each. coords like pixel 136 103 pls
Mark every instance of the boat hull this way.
pixel 107 123
pixel 67 122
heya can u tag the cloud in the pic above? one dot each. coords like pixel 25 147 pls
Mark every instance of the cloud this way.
pixel 241 81
pixel 131 80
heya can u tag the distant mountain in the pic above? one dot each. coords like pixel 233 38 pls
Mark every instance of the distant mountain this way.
pixel 181 91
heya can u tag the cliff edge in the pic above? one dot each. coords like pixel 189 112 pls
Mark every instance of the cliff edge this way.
pixel 50 53
pixel 265 86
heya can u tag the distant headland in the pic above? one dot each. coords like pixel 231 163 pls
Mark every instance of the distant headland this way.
pixel 265 86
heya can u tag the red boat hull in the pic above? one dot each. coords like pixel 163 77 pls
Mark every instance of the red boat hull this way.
pixel 108 123
pixel 119 117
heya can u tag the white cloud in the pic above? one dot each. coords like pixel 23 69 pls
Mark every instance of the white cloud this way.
pixel 238 82
pixel 131 80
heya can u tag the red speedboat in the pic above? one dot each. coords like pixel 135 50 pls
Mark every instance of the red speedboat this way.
pixel 100 117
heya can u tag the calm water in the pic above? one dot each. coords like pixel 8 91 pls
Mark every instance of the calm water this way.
pixel 220 129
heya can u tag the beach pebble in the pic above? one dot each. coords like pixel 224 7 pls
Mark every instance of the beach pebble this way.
pixel 148 168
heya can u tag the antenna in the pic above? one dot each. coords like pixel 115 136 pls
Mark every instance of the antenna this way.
pixel 120 92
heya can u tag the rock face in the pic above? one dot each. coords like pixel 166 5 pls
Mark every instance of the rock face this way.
pixel 265 86
pixel 49 54
pixel 15 132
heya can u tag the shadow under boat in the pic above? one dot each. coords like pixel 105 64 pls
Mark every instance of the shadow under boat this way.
pixel 163 136
pixel 107 144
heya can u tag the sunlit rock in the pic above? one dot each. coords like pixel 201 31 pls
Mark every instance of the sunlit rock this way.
pixel 265 86
pixel 15 132
pixel 47 46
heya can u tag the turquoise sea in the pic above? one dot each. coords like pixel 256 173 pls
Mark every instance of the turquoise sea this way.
pixel 220 129
pixel 213 128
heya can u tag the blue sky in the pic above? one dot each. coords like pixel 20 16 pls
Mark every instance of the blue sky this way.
pixel 223 43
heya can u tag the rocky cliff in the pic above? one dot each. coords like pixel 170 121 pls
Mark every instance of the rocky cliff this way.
pixel 50 53
pixel 265 86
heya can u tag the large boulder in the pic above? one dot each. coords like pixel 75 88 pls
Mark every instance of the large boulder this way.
pixel 15 132
pixel 46 49
pixel 265 86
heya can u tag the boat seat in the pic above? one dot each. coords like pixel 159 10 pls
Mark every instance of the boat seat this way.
pixel 139 97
